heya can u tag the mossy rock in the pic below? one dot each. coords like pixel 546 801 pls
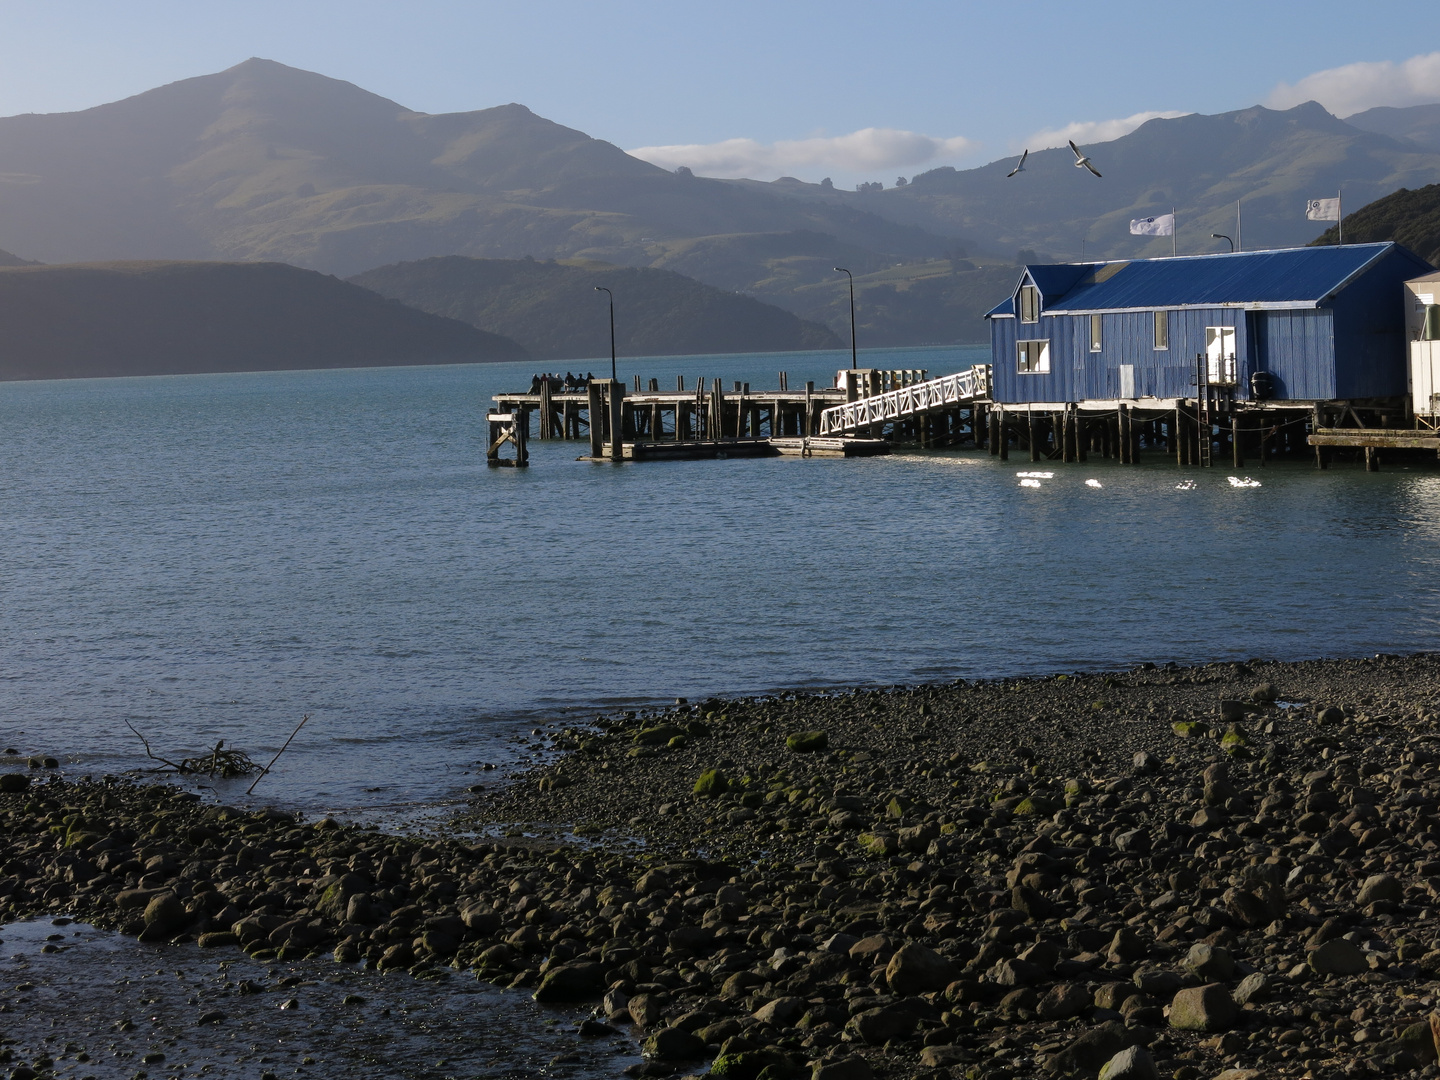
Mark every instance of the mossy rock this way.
pixel 880 843
pixel 678 742
pixel 749 1064
pixel 807 742
pixel 712 782
pixel 898 807
pixel 1034 806
pixel 1190 729
pixel 1418 1040
pixel 1234 737
pixel 658 735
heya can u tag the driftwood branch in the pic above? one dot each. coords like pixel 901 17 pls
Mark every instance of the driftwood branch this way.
pixel 303 721
pixel 151 753
pixel 228 763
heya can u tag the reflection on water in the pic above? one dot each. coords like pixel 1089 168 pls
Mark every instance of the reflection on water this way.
pixel 98 1005
pixel 214 556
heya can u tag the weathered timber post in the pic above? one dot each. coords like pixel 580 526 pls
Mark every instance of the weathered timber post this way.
pixel 1082 441
pixel 1177 441
pixel 1237 450
pixel 1004 439
pixel 596 412
pixel 1030 435
pixel 1316 424
pixel 617 419
pixel 544 431
pixel 809 426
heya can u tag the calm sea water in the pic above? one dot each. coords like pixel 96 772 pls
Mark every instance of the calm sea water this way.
pixel 213 557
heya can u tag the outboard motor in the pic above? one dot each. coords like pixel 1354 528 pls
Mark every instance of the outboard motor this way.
pixel 1262 385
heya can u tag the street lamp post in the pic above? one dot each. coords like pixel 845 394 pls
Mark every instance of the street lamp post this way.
pixel 842 270
pixel 1222 236
pixel 607 292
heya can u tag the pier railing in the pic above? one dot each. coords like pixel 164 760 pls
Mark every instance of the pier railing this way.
pixel 948 391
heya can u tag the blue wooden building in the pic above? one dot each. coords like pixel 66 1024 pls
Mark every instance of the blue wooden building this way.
pixel 1314 324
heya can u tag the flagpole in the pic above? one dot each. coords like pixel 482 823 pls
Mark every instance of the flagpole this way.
pixel 1239 242
pixel 1340 219
pixel 1172 232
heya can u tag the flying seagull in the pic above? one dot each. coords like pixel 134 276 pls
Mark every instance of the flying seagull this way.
pixel 1081 161
pixel 1018 168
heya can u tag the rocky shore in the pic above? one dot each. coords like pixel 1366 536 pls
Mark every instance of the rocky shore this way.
pixel 1228 870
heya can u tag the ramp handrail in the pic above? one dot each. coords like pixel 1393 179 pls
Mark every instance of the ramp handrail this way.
pixel 920 397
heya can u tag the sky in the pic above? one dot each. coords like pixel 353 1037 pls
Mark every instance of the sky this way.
pixel 852 90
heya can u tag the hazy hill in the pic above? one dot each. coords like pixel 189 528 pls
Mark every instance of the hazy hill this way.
pixel 1271 160
pixel 552 308
pixel 6 259
pixel 263 161
pixel 169 318
pixel 1420 124
pixel 1408 217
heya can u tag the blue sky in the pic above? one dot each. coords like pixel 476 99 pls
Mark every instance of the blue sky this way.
pixel 854 90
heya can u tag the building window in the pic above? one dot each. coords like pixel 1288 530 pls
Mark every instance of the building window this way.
pixel 1162 330
pixel 1094 333
pixel 1032 357
pixel 1029 303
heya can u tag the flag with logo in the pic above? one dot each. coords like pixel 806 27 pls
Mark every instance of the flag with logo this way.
pixel 1322 210
pixel 1161 225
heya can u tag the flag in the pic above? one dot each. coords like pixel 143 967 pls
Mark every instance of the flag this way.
pixel 1323 210
pixel 1163 225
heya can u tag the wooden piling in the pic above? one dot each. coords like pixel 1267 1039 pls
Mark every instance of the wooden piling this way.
pixel 597 426
pixel 616 390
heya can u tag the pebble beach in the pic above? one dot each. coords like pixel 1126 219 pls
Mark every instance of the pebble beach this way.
pixel 1219 871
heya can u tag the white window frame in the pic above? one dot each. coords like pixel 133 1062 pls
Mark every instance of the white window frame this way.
pixel 1028 313
pixel 1097 330
pixel 1161 330
pixel 1030 360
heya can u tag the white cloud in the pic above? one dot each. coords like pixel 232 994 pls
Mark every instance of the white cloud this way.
pixel 1357 87
pixel 1092 131
pixel 865 151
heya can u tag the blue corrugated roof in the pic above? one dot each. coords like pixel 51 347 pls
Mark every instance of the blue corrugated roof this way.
pixel 1290 277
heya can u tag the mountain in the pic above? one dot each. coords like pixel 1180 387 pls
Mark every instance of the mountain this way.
pixel 7 259
pixel 172 318
pixel 1408 217
pixel 267 162
pixel 552 308
pixel 1419 124
pixel 1273 161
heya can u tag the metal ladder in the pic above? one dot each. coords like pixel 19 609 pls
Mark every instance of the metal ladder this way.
pixel 1203 420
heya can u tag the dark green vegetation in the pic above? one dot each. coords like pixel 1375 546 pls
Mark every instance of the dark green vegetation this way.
pixel 1408 217
pixel 263 161
pixel 1001 880
pixel 552 308
pixel 166 318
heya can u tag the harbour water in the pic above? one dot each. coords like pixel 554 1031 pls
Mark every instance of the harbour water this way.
pixel 213 557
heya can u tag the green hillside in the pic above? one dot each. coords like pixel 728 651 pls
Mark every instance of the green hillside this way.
pixel 1408 217
pixel 169 318
pixel 552 308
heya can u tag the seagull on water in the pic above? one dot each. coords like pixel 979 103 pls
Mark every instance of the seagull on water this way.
pixel 1020 167
pixel 1081 161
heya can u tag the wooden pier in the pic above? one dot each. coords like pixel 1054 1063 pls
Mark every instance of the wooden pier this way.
pixel 710 421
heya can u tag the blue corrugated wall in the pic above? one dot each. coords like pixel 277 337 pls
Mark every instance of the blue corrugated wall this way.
pixel 1353 347
pixel 1297 348
pixel 1127 337
pixel 1370 352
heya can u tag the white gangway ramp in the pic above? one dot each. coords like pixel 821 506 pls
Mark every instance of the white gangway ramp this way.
pixel 962 388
